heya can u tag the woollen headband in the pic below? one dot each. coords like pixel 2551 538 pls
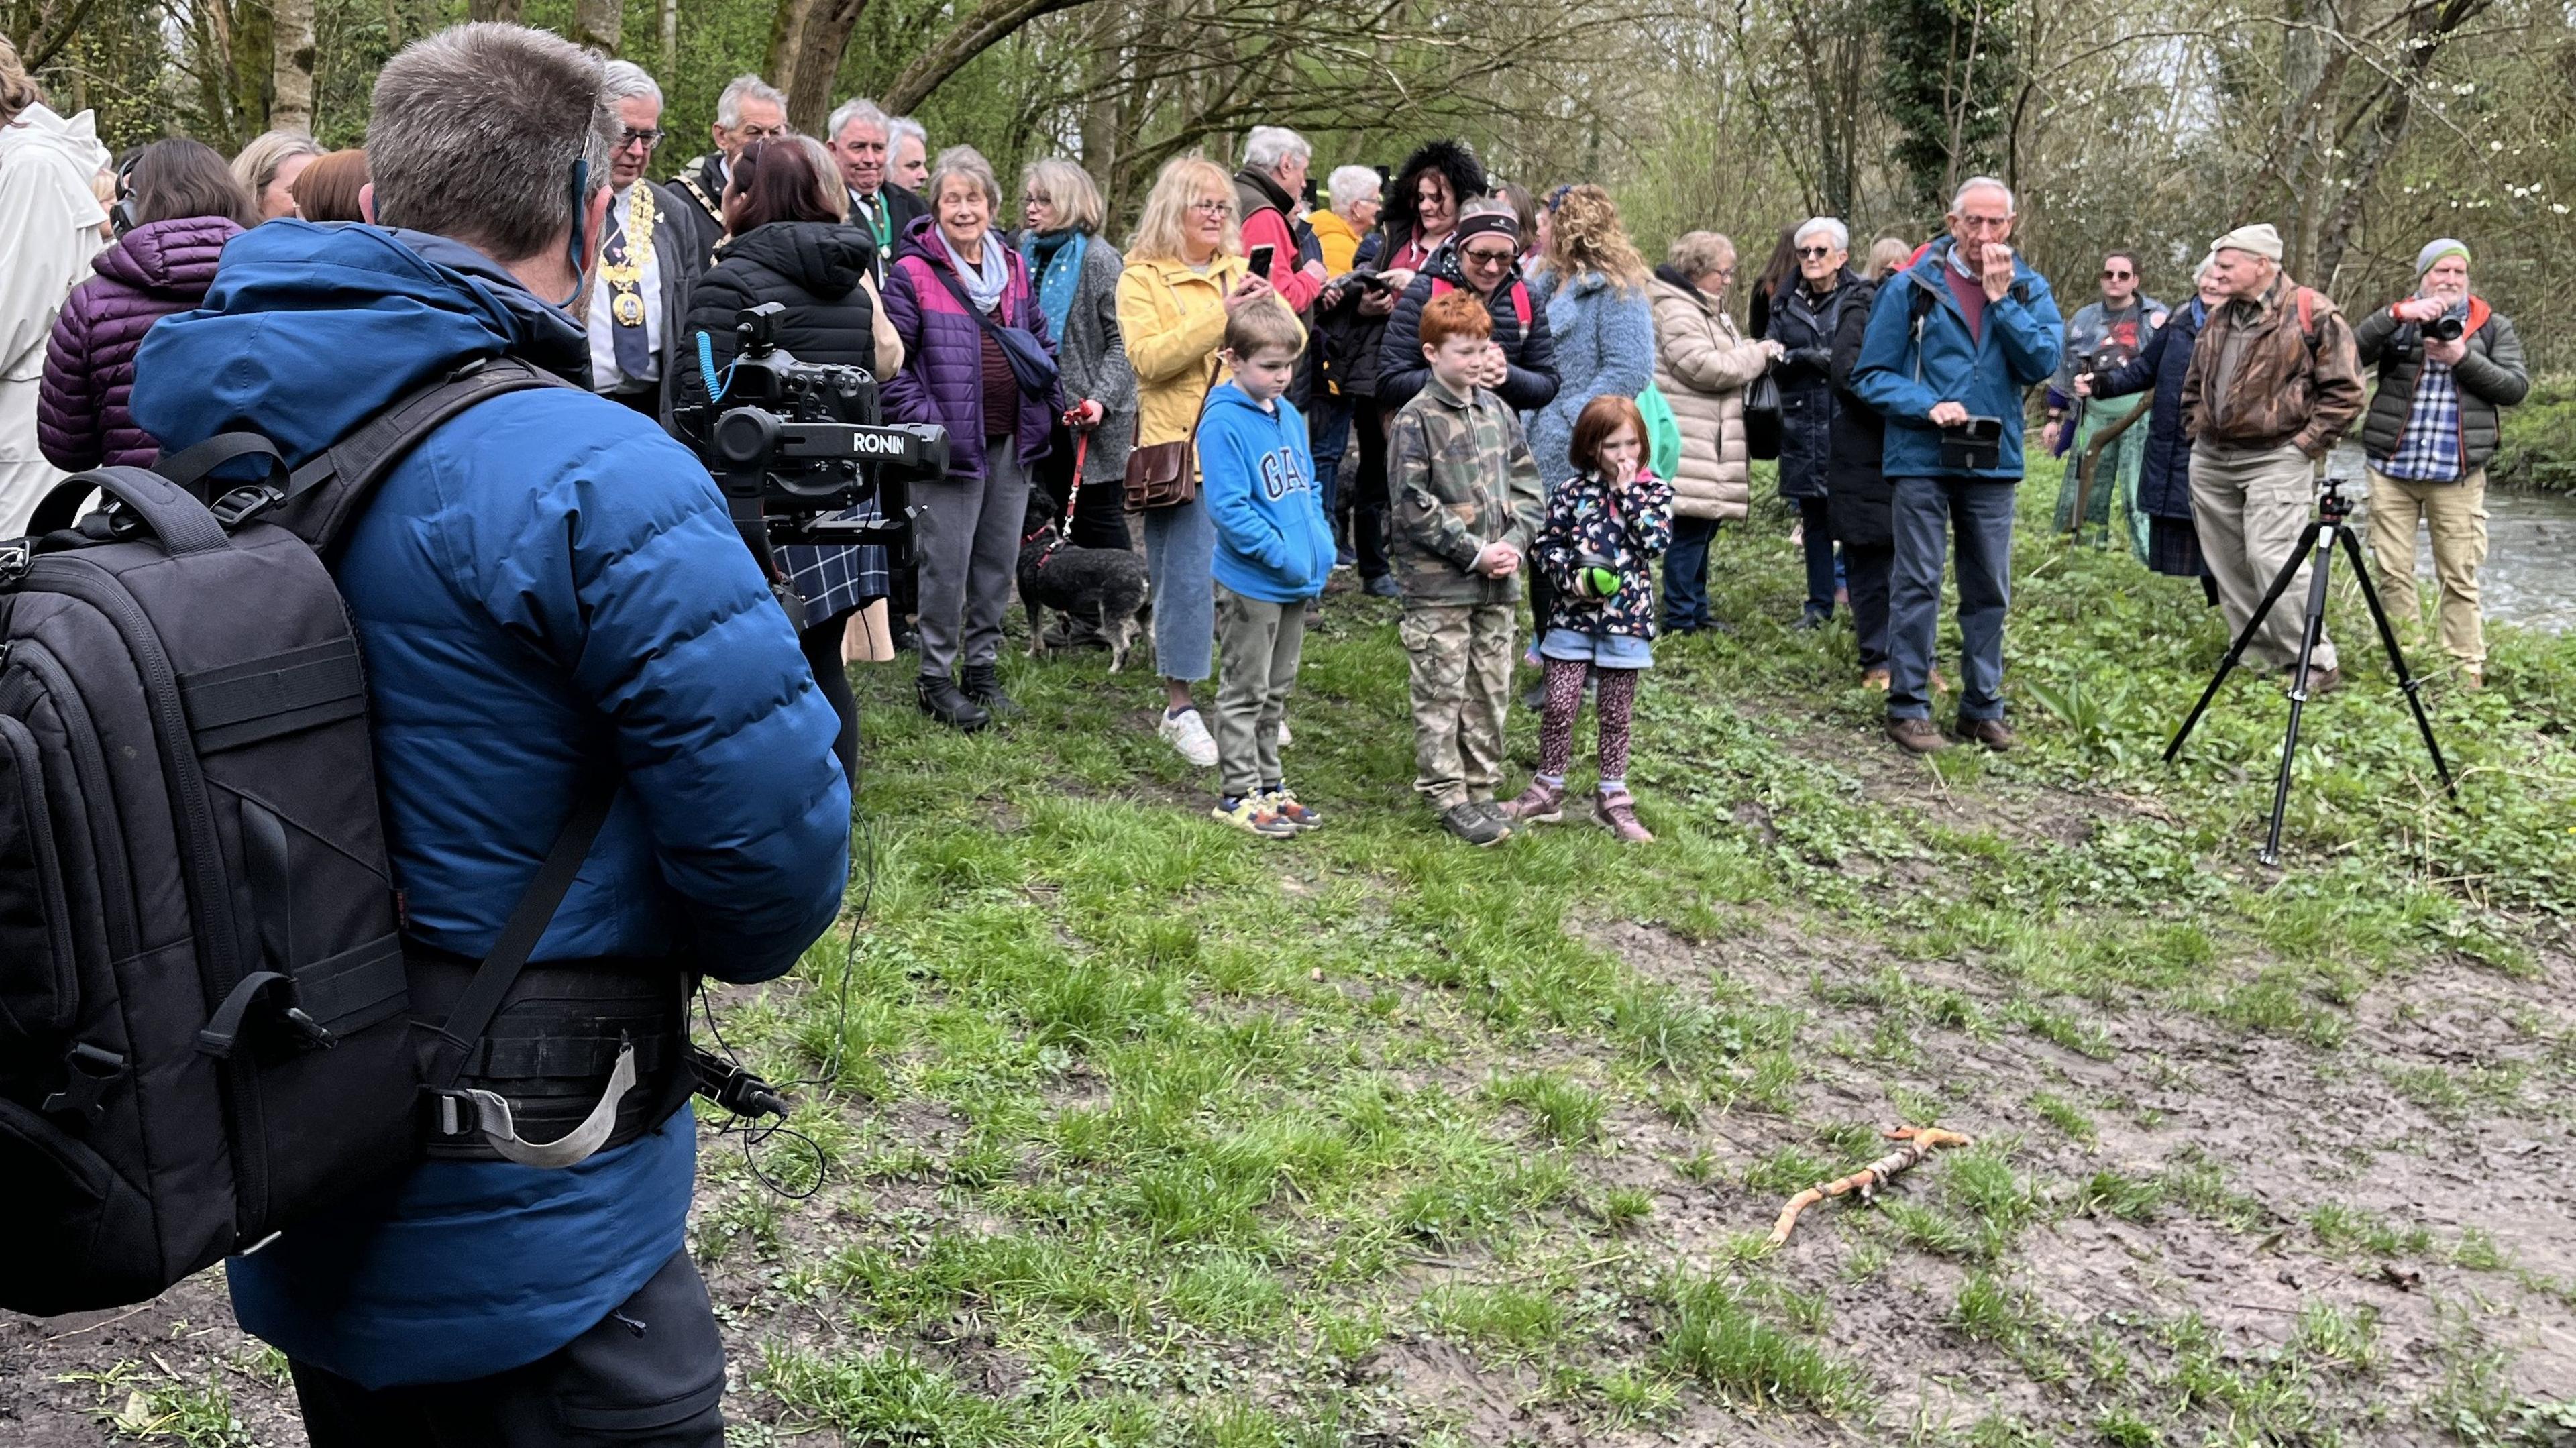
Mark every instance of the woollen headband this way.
pixel 1487 223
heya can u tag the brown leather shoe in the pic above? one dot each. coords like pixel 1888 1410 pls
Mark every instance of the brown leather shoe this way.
pixel 2321 682
pixel 1992 733
pixel 1916 736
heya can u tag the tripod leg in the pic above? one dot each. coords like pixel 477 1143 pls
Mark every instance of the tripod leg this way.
pixel 2406 679
pixel 2311 629
pixel 2245 637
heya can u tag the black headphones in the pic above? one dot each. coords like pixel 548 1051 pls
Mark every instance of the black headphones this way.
pixel 120 217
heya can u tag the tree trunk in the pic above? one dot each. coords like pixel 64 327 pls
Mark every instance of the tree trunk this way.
pixel 786 34
pixel 506 11
pixel 291 86
pixel 818 62
pixel 598 24
pixel 670 36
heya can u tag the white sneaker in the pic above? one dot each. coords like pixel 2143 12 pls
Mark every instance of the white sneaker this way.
pixel 1188 735
pixel 1284 739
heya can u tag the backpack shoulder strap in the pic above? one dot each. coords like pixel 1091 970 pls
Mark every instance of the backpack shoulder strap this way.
pixel 1521 304
pixel 326 496
pixel 2308 317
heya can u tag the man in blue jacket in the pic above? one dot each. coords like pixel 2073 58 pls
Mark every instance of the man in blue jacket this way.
pixel 547 586
pixel 1953 340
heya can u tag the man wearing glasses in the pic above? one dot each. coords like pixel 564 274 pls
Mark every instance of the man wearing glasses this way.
pixel 2102 337
pixel 1952 342
pixel 647 261
pixel 750 109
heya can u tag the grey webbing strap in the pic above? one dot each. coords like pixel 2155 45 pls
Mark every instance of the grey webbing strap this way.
pixel 492 1121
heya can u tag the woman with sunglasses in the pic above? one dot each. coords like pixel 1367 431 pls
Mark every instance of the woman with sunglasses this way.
pixel 1804 314
pixel 2103 336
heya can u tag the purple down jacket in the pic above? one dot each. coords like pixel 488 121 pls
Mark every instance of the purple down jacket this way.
pixel 942 380
pixel 143 276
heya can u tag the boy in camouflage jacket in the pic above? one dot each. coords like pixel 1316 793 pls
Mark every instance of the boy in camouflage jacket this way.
pixel 1467 502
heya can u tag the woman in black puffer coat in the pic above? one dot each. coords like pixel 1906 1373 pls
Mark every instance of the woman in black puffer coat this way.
pixel 1804 313
pixel 1858 499
pixel 786 244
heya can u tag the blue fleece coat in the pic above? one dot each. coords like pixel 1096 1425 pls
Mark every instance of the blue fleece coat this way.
pixel 1605 346
pixel 1903 376
pixel 1257 478
pixel 546 582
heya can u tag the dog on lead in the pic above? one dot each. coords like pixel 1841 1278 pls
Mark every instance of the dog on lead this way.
pixel 1098 590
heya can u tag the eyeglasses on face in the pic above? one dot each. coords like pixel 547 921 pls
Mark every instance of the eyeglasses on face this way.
pixel 1213 205
pixel 1985 223
pixel 1486 256
pixel 647 139
pixel 1036 198
pixel 1814 253
pixel 2116 274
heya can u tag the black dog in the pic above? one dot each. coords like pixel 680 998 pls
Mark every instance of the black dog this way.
pixel 1102 587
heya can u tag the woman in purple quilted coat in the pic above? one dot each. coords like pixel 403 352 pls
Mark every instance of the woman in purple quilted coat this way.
pixel 949 266
pixel 181 205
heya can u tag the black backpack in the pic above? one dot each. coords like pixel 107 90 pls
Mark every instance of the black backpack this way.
pixel 204 1006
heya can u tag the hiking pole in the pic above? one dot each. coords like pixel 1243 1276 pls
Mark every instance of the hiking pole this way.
pixel 2088 463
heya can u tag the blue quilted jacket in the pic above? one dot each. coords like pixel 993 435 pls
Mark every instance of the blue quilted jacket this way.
pixel 546 581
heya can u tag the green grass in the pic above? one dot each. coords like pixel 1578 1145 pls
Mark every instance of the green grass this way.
pixel 1139 1131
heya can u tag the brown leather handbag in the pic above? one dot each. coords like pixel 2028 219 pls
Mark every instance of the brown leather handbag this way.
pixel 1166 474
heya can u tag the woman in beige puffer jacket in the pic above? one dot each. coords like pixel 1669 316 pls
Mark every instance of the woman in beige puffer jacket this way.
pixel 1702 366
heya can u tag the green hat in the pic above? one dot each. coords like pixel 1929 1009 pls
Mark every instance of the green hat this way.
pixel 2434 251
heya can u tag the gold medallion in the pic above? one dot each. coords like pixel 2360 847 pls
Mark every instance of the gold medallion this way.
pixel 628 308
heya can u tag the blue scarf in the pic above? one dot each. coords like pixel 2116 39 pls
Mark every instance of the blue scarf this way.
pixel 1055 259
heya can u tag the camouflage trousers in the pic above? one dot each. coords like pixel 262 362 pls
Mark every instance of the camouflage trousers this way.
pixel 1462 682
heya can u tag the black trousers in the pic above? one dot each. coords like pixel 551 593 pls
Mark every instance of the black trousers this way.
pixel 1366 488
pixel 650 1375
pixel 822 645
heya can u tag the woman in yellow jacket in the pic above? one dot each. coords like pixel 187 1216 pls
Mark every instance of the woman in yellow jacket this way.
pixel 1183 279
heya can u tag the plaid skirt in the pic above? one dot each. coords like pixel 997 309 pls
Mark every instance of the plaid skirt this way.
pixel 2173 548
pixel 836 578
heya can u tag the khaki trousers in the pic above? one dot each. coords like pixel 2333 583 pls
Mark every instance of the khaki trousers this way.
pixel 2249 508
pixel 2457 514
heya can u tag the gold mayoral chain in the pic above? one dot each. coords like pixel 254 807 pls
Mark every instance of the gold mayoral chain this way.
pixel 626 302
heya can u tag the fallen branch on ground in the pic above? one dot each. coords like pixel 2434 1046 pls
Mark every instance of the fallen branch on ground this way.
pixel 1920 1142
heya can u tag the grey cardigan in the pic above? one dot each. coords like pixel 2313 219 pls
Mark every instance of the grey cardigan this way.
pixel 1091 357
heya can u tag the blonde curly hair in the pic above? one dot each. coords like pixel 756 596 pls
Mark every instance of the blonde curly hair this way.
pixel 1585 236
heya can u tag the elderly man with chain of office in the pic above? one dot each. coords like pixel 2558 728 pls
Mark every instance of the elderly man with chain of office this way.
pixel 647 264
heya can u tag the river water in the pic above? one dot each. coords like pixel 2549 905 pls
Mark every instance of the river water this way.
pixel 2530 573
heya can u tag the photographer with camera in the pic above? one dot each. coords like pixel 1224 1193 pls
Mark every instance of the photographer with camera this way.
pixel 790 247
pixel 1953 406
pixel 559 623
pixel 2272 384
pixel 2448 366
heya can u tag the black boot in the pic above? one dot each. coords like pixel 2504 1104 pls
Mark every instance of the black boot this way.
pixel 942 700
pixel 983 684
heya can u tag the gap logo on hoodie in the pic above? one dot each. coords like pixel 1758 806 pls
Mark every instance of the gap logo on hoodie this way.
pixel 1257 481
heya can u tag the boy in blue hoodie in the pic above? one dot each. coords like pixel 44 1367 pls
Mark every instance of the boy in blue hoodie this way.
pixel 1273 553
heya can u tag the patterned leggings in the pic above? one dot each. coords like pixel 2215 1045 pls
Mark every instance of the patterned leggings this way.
pixel 1618 696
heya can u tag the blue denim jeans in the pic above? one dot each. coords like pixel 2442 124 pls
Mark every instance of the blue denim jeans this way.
pixel 1180 549
pixel 1926 514
pixel 1328 432
pixel 1686 575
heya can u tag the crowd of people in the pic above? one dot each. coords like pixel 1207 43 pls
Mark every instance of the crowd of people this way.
pixel 1890 391
pixel 1461 390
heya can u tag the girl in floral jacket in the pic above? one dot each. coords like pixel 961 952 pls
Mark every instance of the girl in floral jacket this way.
pixel 1604 528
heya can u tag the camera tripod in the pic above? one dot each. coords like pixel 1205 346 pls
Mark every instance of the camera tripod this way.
pixel 2322 533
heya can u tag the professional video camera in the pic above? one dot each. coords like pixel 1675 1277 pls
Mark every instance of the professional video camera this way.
pixel 800 452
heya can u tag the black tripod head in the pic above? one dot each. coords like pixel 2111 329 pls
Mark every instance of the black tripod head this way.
pixel 2332 505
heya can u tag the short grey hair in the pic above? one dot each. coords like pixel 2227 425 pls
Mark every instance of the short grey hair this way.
pixel 474 133
pixel 1959 197
pixel 1070 190
pixel 1697 253
pixel 902 126
pixel 745 88
pixel 1348 186
pixel 858 108
pixel 624 80
pixel 1840 234
pixel 1269 146
pixel 969 163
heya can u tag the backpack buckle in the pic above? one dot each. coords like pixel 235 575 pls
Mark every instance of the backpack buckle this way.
pixel 244 503
pixel 88 1072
